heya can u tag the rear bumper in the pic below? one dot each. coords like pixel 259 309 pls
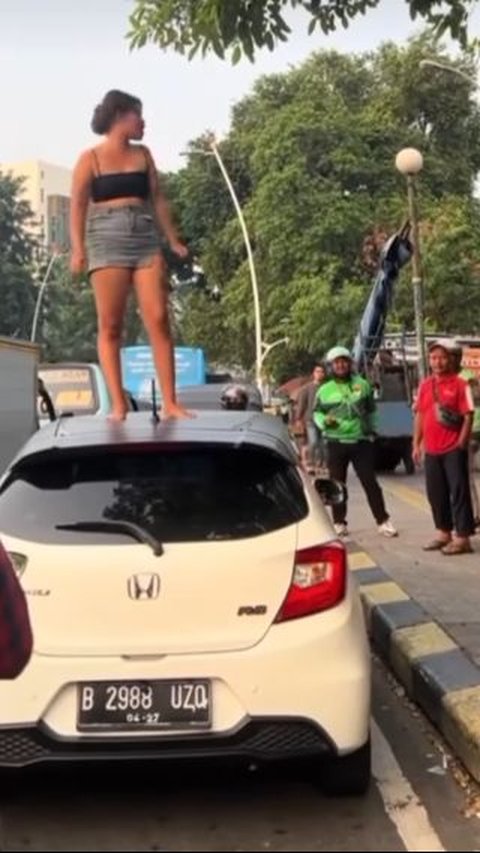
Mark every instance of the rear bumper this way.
pixel 258 740
pixel 316 672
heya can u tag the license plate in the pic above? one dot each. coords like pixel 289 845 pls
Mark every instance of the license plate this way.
pixel 144 705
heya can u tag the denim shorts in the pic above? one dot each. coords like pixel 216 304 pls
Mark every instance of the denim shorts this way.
pixel 125 236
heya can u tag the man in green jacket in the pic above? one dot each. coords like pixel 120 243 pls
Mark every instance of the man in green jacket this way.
pixel 345 413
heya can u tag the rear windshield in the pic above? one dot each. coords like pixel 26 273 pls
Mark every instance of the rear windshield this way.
pixel 179 495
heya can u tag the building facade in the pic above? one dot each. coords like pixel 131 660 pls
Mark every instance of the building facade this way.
pixel 47 190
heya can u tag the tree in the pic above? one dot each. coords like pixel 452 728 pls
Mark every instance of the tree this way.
pixel 311 153
pixel 242 27
pixel 451 254
pixel 17 245
pixel 68 327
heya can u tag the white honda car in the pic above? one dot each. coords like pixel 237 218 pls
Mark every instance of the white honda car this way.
pixel 188 600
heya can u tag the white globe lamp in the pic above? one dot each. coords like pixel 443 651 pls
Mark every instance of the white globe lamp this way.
pixel 409 161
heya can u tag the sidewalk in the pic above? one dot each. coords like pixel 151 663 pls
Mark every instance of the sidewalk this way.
pixel 423 612
pixel 446 587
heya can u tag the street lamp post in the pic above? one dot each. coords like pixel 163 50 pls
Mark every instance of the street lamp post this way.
pixel 453 69
pixel 409 162
pixel 214 151
pixel 267 348
pixel 41 291
pixel 251 263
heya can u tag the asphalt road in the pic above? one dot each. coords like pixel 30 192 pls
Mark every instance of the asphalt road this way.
pixel 414 802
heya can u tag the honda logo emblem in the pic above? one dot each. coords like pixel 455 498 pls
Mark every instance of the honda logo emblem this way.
pixel 144 587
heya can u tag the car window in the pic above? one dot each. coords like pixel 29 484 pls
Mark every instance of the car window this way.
pixel 179 494
pixel 72 390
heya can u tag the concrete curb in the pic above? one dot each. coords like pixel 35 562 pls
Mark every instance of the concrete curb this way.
pixel 435 672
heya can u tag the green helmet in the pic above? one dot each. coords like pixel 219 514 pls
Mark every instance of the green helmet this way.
pixel 338 352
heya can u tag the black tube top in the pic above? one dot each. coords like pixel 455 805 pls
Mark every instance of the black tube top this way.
pixel 120 185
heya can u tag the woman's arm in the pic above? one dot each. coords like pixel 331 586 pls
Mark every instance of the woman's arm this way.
pixel 162 209
pixel 80 197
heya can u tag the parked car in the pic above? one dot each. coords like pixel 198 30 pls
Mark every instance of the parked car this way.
pixel 74 388
pixel 188 600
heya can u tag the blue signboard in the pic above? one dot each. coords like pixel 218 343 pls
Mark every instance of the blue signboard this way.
pixel 138 369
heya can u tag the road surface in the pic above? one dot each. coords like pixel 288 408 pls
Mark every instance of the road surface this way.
pixel 414 802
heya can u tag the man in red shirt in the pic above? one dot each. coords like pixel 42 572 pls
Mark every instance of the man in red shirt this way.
pixel 443 425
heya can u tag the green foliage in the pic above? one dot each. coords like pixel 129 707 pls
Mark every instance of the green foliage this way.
pixel 311 154
pixel 242 27
pixel 17 292
pixel 67 328
pixel 451 252
pixel 68 323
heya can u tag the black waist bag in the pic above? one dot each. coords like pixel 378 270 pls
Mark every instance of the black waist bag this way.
pixel 447 417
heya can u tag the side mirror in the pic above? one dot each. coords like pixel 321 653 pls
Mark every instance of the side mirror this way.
pixel 330 491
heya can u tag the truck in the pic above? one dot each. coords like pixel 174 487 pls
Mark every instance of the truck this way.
pixel 18 395
pixel 79 388
pixel 68 389
pixel 138 369
pixel 390 360
pixel 73 388
pixel 393 377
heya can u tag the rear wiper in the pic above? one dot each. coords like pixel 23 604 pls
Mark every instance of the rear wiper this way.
pixel 126 527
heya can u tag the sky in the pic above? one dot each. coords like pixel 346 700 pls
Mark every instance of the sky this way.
pixel 59 57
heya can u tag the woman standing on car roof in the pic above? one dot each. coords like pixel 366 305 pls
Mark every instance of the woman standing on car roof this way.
pixel 118 212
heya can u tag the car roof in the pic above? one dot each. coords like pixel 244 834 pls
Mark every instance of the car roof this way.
pixel 207 427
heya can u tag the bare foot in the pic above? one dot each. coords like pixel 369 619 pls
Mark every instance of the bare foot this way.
pixel 117 415
pixel 174 411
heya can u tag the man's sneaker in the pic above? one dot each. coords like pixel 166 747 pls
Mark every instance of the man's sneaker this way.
pixel 387 529
pixel 341 530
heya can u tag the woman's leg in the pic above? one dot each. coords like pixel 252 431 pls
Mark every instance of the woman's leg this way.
pixel 152 294
pixel 111 288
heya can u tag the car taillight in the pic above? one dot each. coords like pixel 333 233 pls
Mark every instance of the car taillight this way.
pixel 319 581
